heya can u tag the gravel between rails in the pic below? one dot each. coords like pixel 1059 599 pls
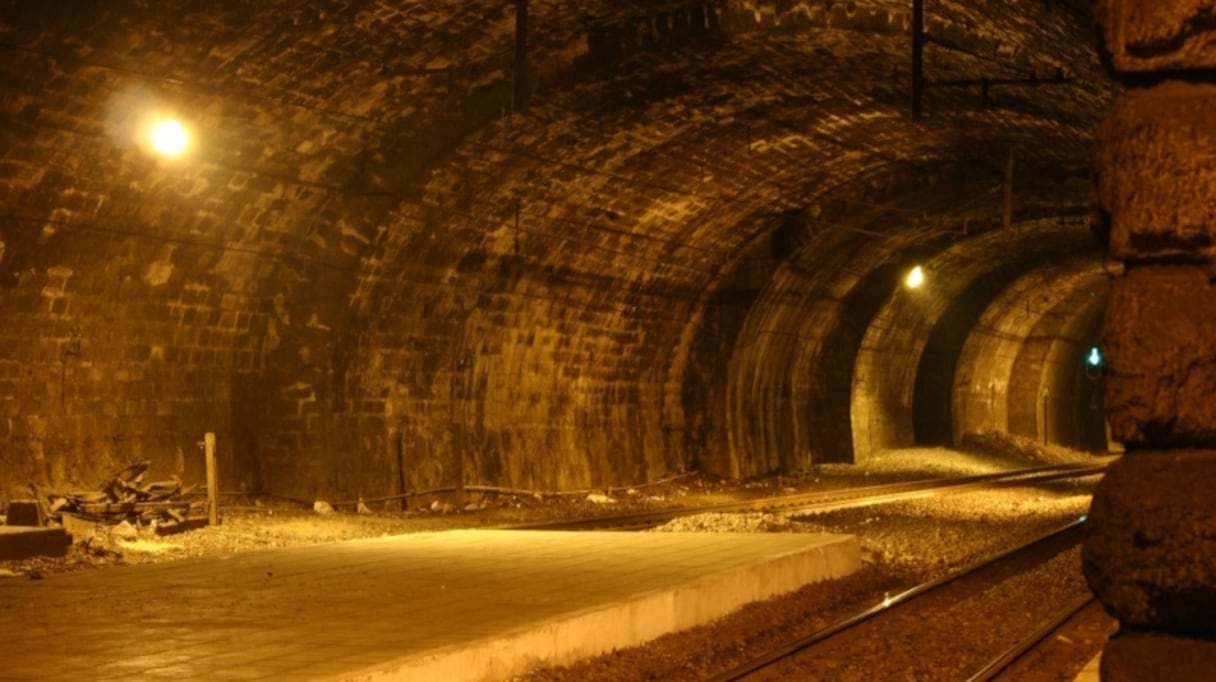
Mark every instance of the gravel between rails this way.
pixel 1059 657
pixel 905 544
pixel 943 636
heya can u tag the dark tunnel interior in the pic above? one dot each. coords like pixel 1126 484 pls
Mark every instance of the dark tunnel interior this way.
pixel 406 250
pixel 379 251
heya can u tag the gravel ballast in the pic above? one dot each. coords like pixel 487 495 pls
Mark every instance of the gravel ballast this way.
pixel 905 543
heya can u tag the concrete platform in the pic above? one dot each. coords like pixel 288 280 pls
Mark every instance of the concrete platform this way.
pixel 21 542
pixel 1090 672
pixel 459 605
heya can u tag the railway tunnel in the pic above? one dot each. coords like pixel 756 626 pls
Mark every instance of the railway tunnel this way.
pixel 544 245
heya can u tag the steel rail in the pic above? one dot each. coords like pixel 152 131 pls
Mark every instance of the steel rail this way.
pixel 1017 651
pixel 955 488
pixel 798 645
pixel 829 500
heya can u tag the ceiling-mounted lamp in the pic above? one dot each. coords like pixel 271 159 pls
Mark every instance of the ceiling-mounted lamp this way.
pixel 168 137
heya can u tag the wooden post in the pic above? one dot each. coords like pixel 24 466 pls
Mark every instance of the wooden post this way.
pixel 213 489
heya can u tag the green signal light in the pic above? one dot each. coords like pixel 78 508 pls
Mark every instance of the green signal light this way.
pixel 1095 357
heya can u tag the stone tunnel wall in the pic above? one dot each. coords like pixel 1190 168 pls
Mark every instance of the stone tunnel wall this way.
pixel 335 280
pixel 1150 548
pixel 426 373
pixel 911 350
pixel 791 339
pixel 1003 367
pixel 230 274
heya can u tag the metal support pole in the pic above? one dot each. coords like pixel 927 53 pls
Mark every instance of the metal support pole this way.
pixel 402 486
pixel 918 58
pixel 515 245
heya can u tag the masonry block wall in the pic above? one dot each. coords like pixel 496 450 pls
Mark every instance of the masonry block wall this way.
pixel 1037 331
pixel 1149 555
pixel 403 254
pixel 914 344
pixel 148 302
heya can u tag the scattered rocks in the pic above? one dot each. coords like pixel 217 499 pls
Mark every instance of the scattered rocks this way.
pixel 919 537
pixel 905 543
pixel 141 546
pixel 734 523
pixel 599 498
pixel 261 523
pixel 124 531
pixel 1020 450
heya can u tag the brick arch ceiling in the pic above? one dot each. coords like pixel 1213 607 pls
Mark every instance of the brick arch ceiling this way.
pixel 335 280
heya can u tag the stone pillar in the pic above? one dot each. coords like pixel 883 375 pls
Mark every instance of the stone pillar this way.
pixel 1150 551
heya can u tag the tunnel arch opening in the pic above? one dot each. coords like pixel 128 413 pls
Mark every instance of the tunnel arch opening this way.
pixel 1032 338
pixel 905 376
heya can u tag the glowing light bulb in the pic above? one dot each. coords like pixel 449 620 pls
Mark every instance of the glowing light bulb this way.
pixel 169 137
pixel 915 278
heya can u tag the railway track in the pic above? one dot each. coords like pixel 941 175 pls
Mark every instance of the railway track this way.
pixel 824 654
pixel 1018 651
pixel 836 499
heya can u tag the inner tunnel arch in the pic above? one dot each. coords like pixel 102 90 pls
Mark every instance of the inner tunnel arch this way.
pixel 1035 334
pixel 906 365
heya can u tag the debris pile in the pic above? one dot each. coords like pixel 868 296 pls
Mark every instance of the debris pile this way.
pixel 127 498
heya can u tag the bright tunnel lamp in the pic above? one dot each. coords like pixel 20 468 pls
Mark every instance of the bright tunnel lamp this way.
pixel 168 137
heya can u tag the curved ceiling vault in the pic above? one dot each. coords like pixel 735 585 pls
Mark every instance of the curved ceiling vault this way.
pixel 401 256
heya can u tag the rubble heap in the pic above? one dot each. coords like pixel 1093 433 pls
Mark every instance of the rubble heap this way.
pixel 162 505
